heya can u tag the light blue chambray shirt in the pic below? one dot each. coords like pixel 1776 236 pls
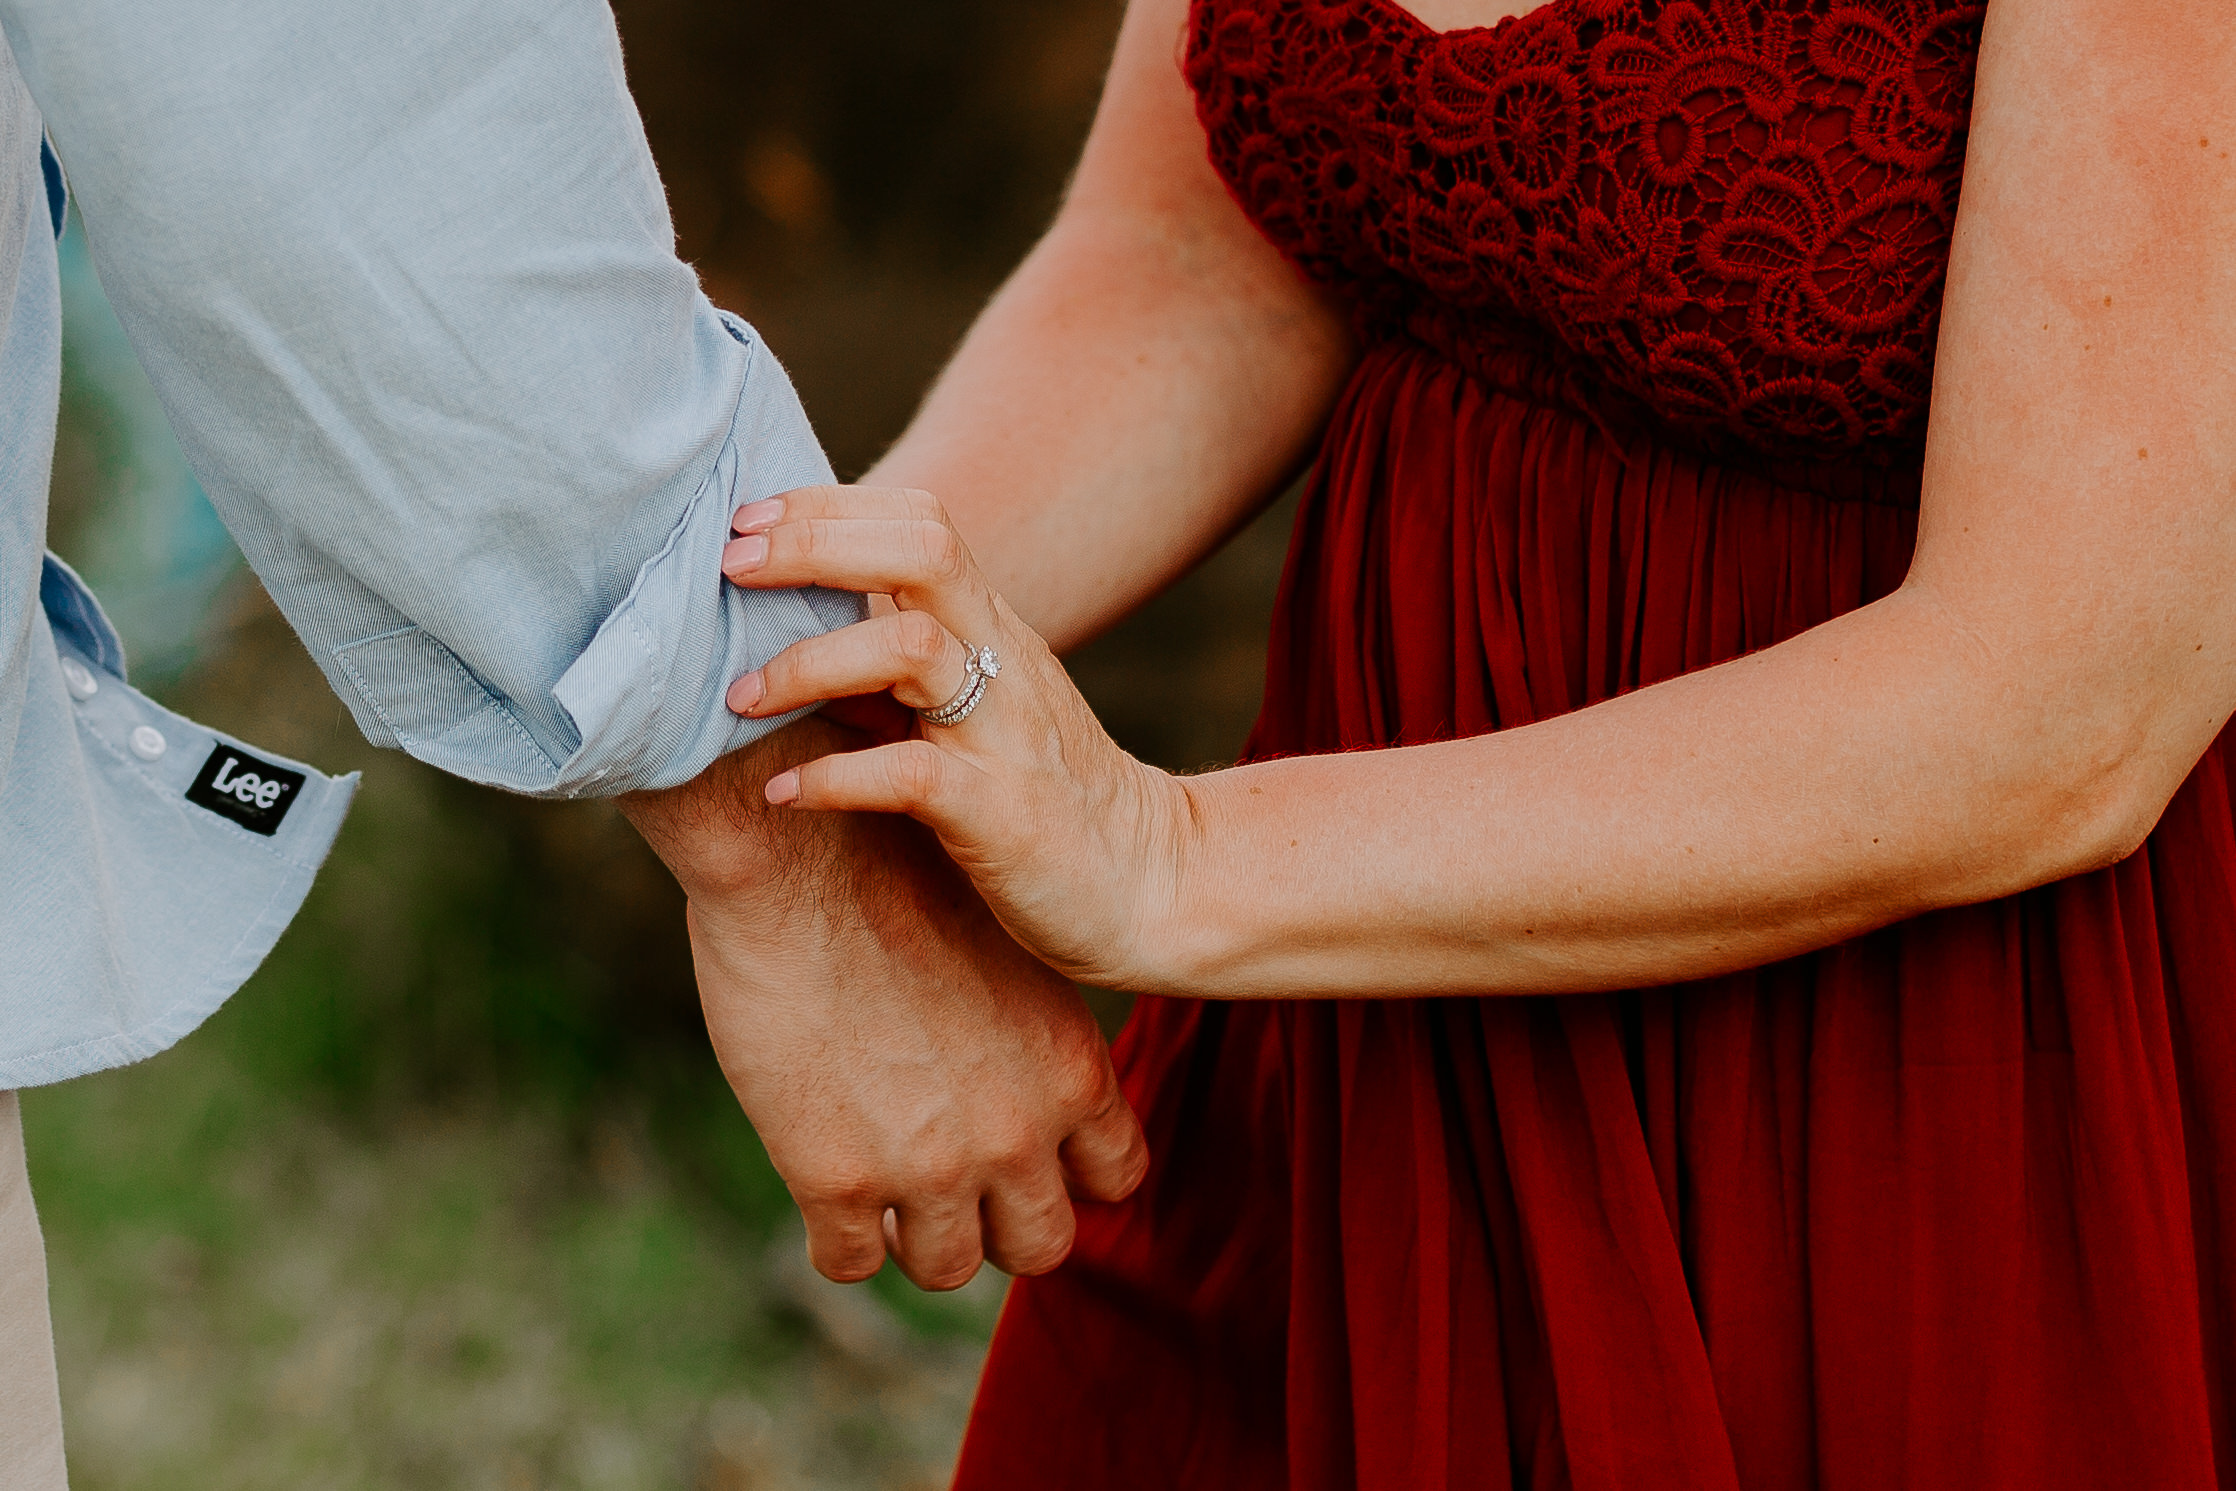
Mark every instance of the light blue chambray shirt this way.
pixel 403 276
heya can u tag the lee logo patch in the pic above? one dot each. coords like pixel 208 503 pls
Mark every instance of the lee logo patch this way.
pixel 255 794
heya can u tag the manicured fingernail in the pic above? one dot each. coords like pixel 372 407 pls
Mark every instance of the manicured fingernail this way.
pixel 747 692
pixel 742 556
pixel 784 787
pixel 755 517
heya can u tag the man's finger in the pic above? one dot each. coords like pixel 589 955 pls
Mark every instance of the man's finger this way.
pixel 1106 1157
pixel 936 1243
pixel 845 1243
pixel 1028 1224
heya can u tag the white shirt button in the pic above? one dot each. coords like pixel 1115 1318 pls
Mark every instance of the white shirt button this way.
pixel 148 742
pixel 79 679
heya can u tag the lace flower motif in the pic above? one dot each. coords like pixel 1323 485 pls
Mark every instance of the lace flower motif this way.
pixel 1734 214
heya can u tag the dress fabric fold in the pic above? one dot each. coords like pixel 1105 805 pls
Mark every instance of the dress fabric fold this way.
pixel 1650 292
pixel 1952 1205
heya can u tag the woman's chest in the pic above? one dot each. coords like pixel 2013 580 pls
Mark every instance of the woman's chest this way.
pixel 1737 212
pixel 1465 15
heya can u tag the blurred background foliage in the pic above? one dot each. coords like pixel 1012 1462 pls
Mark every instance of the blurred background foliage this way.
pixel 452 1193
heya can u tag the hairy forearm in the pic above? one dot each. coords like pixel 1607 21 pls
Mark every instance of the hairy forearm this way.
pixel 717 834
pixel 1777 804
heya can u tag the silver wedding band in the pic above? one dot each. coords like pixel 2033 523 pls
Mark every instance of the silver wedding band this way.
pixel 980 667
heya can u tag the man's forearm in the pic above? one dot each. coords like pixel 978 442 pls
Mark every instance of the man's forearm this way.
pixel 440 299
pixel 717 833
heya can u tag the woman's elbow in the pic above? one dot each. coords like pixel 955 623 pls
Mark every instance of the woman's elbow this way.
pixel 2102 810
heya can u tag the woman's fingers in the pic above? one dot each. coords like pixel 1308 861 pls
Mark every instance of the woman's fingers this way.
pixel 892 555
pixel 914 777
pixel 908 652
pixel 835 502
pixel 904 777
pixel 921 562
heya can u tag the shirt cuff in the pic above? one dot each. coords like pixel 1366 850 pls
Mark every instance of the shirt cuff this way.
pixel 645 696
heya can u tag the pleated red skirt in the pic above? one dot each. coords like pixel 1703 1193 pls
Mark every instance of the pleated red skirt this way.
pixel 1949 1206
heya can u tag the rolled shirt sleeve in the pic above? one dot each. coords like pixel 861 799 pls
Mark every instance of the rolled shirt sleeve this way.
pixel 404 278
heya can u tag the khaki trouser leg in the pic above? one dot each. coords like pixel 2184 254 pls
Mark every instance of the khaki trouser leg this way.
pixel 30 1406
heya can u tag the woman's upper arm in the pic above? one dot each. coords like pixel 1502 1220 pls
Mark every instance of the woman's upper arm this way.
pixel 2079 522
pixel 1154 373
pixel 1145 162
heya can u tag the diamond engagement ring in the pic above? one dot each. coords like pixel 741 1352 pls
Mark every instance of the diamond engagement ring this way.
pixel 980 667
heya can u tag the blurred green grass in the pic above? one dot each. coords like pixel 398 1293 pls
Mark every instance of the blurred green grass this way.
pixel 250 1292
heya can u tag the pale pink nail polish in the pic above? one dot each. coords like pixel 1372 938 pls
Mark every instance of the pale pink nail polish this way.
pixel 756 517
pixel 746 692
pixel 742 556
pixel 783 788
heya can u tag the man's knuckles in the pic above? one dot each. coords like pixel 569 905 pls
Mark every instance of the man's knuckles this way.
pixel 936 1241
pixel 1133 1169
pixel 844 1189
pixel 939 1174
pixel 1081 1082
pixel 1033 1228
pixel 853 1270
pixel 1018 1153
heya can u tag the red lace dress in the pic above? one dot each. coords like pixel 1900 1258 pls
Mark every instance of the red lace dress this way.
pixel 1650 290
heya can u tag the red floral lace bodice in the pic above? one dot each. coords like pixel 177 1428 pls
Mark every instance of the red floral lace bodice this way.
pixel 1728 218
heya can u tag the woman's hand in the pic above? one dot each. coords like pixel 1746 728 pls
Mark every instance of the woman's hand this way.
pixel 1075 844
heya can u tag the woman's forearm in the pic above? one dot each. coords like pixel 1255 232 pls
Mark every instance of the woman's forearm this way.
pixel 1779 803
pixel 2061 654
pixel 2059 657
pixel 1114 416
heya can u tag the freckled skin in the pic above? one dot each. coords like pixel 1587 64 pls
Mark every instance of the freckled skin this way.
pixel 2018 711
